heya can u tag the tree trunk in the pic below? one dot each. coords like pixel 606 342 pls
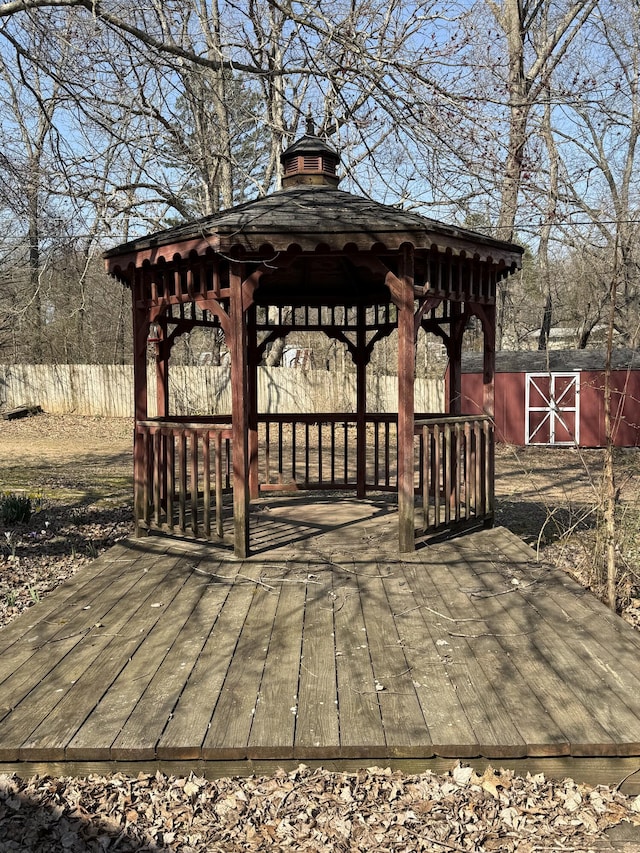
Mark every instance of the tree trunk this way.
pixel 609 480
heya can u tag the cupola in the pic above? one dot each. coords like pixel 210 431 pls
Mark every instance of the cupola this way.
pixel 310 160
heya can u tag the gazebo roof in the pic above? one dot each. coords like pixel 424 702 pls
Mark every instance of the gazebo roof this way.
pixel 313 218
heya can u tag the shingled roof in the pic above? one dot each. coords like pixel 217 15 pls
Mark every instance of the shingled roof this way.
pixel 554 361
pixel 313 216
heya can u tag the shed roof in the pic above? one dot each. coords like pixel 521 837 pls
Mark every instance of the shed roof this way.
pixel 554 361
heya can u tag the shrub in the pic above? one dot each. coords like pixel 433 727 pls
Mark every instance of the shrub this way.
pixel 15 509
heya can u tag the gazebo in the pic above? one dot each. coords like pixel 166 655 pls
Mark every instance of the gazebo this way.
pixel 311 257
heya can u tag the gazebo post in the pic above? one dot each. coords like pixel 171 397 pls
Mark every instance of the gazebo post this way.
pixel 361 405
pixel 162 372
pixel 454 352
pixel 406 414
pixel 488 402
pixel 489 369
pixel 239 412
pixel 140 334
pixel 252 400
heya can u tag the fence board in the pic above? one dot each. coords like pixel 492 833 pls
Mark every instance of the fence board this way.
pixel 107 390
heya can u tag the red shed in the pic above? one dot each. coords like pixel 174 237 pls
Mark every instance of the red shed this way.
pixel 557 397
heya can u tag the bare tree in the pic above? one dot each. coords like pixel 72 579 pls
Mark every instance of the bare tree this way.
pixel 600 145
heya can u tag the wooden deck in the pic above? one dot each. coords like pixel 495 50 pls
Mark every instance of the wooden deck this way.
pixel 326 649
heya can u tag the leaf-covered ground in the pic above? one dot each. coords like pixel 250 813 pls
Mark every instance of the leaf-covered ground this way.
pixel 79 472
pixel 371 810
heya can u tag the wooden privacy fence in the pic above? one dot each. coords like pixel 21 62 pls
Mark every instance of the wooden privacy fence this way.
pixel 183 467
pixel 107 390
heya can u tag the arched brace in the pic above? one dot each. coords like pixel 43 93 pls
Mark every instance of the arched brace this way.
pixel 168 339
pixel 215 307
pixel 379 335
pixel 249 287
pixel 424 305
pixel 476 309
pixel 434 329
pixel 340 336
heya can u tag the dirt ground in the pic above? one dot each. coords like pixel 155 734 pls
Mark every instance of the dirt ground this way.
pixel 78 471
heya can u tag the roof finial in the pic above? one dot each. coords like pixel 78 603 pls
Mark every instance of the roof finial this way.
pixel 311 131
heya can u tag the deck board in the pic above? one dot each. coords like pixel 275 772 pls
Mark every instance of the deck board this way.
pixel 188 726
pixel 274 722
pixel 560 715
pixel 581 649
pixel 228 735
pixel 150 716
pixel 488 635
pixel 402 718
pixel 477 686
pixel 317 725
pixel 161 627
pixel 360 719
pixel 91 673
pixel 326 649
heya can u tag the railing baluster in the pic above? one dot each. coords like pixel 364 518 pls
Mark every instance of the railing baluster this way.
pixel 218 476
pixel 157 479
pixel 488 470
pixel 477 455
pixel 267 452
pixel 332 427
pixel 437 459
pixel 206 485
pixel 459 470
pixel 171 477
pixel 293 451
pixel 307 450
pixel 193 436
pixel 467 469
pixel 376 453
pixel 148 469
pixel 426 480
pixel 346 452
pixel 182 481
pixel 447 472
pixel 387 452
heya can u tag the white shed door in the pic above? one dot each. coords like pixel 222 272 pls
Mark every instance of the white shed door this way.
pixel 552 408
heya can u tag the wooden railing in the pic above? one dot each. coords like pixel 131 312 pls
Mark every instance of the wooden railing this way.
pixel 320 451
pixel 180 465
pixel 183 466
pixel 456 470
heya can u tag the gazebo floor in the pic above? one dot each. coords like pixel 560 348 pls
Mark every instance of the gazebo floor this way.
pixel 328 649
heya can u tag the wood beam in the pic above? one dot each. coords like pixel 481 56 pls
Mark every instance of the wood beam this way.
pixel 140 334
pixel 406 379
pixel 454 351
pixel 361 359
pixel 487 317
pixel 162 370
pixel 239 412
pixel 252 400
